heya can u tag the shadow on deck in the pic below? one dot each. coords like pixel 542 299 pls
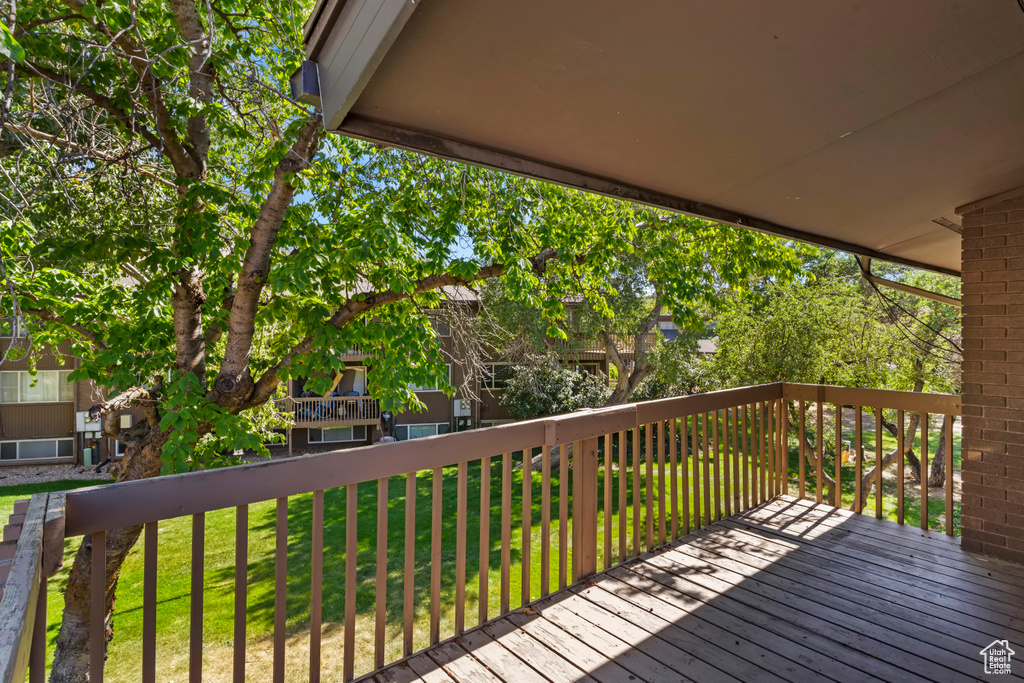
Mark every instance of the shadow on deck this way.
pixel 788 591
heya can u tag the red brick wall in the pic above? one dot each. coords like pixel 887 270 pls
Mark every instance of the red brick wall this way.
pixel 993 378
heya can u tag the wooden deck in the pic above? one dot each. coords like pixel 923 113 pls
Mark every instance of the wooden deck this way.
pixel 788 591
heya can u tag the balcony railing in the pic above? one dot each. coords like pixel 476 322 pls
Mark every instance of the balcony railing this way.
pixel 330 412
pixel 625 343
pixel 638 476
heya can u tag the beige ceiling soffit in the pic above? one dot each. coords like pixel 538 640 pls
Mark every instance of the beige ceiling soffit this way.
pixel 348 41
pixel 865 271
pixel 987 201
pixel 373 131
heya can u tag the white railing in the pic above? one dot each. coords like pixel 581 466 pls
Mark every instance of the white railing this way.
pixel 332 411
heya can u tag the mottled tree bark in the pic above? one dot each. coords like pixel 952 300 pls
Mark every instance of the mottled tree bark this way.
pixel 71 656
pixel 628 381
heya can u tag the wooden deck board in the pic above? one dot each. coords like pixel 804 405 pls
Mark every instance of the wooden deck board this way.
pixel 822 578
pixel 889 544
pixel 788 591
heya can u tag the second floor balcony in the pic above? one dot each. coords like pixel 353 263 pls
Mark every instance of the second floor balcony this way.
pixel 333 411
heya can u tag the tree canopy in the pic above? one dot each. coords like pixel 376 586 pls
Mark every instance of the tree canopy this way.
pixel 834 328
pixel 198 238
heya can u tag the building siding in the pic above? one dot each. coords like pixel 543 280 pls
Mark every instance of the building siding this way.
pixel 36 420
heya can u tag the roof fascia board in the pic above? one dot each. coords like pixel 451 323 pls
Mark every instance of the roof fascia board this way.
pixel 362 31
pixel 373 131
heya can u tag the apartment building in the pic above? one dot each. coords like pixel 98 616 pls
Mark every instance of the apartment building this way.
pixel 349 415
pixel 43 417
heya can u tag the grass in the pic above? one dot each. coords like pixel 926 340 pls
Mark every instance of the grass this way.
pixel 912 485
pixel 10 494
pixel 175 553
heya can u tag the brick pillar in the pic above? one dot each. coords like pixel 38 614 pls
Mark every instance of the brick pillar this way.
pixel 993 376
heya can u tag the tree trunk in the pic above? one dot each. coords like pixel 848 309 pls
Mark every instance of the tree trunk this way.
pixel 867 479
pixel 812 457
pixel 71 656
pixel 628 382
pixel 937 473
pixel 619 394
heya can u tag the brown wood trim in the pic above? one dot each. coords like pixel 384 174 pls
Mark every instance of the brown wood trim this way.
pixel 485 541
pixel 408 580
pixel 924 471
pixel 380 595
pixel 545 521
pixel 316 586
pixel 241 590
pixel 195 644
pixel 987 201
pixel 948 404
pixel 97 603
pixel 351 550
pixel 116 505
pixel 669 408
pixel 461 503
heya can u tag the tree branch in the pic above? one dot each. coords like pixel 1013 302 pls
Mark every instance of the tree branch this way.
pixel 187 303
pixel 201 74
pixel 360 304
pixel 621 391
pixel 136 397
pixel 102 101
pixel 234 381
pixel 184 163
pixel 68 144
pixel 50 316
pixel 42 22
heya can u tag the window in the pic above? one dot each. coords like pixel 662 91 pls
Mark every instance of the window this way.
pixel 50 386
pixel 666 325
pixel 494 423
pixel 497 375
pixel 425 387
pixel 441 328
pixel 12 327
pixel 406 432
pixel 36 449
pixel 337 434
pixel 591 368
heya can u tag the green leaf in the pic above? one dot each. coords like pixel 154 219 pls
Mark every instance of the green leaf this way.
pixel 9 47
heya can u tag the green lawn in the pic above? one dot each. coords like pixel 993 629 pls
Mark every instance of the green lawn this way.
pixel 10 494
pixel 174 580
pixel 912 486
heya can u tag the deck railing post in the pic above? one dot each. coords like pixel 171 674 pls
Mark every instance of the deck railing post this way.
pixel 585 509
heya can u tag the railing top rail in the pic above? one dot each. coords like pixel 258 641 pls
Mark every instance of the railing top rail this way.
pixel 119 505
pixel 300 399
pixel 18 604
pixel 910 401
